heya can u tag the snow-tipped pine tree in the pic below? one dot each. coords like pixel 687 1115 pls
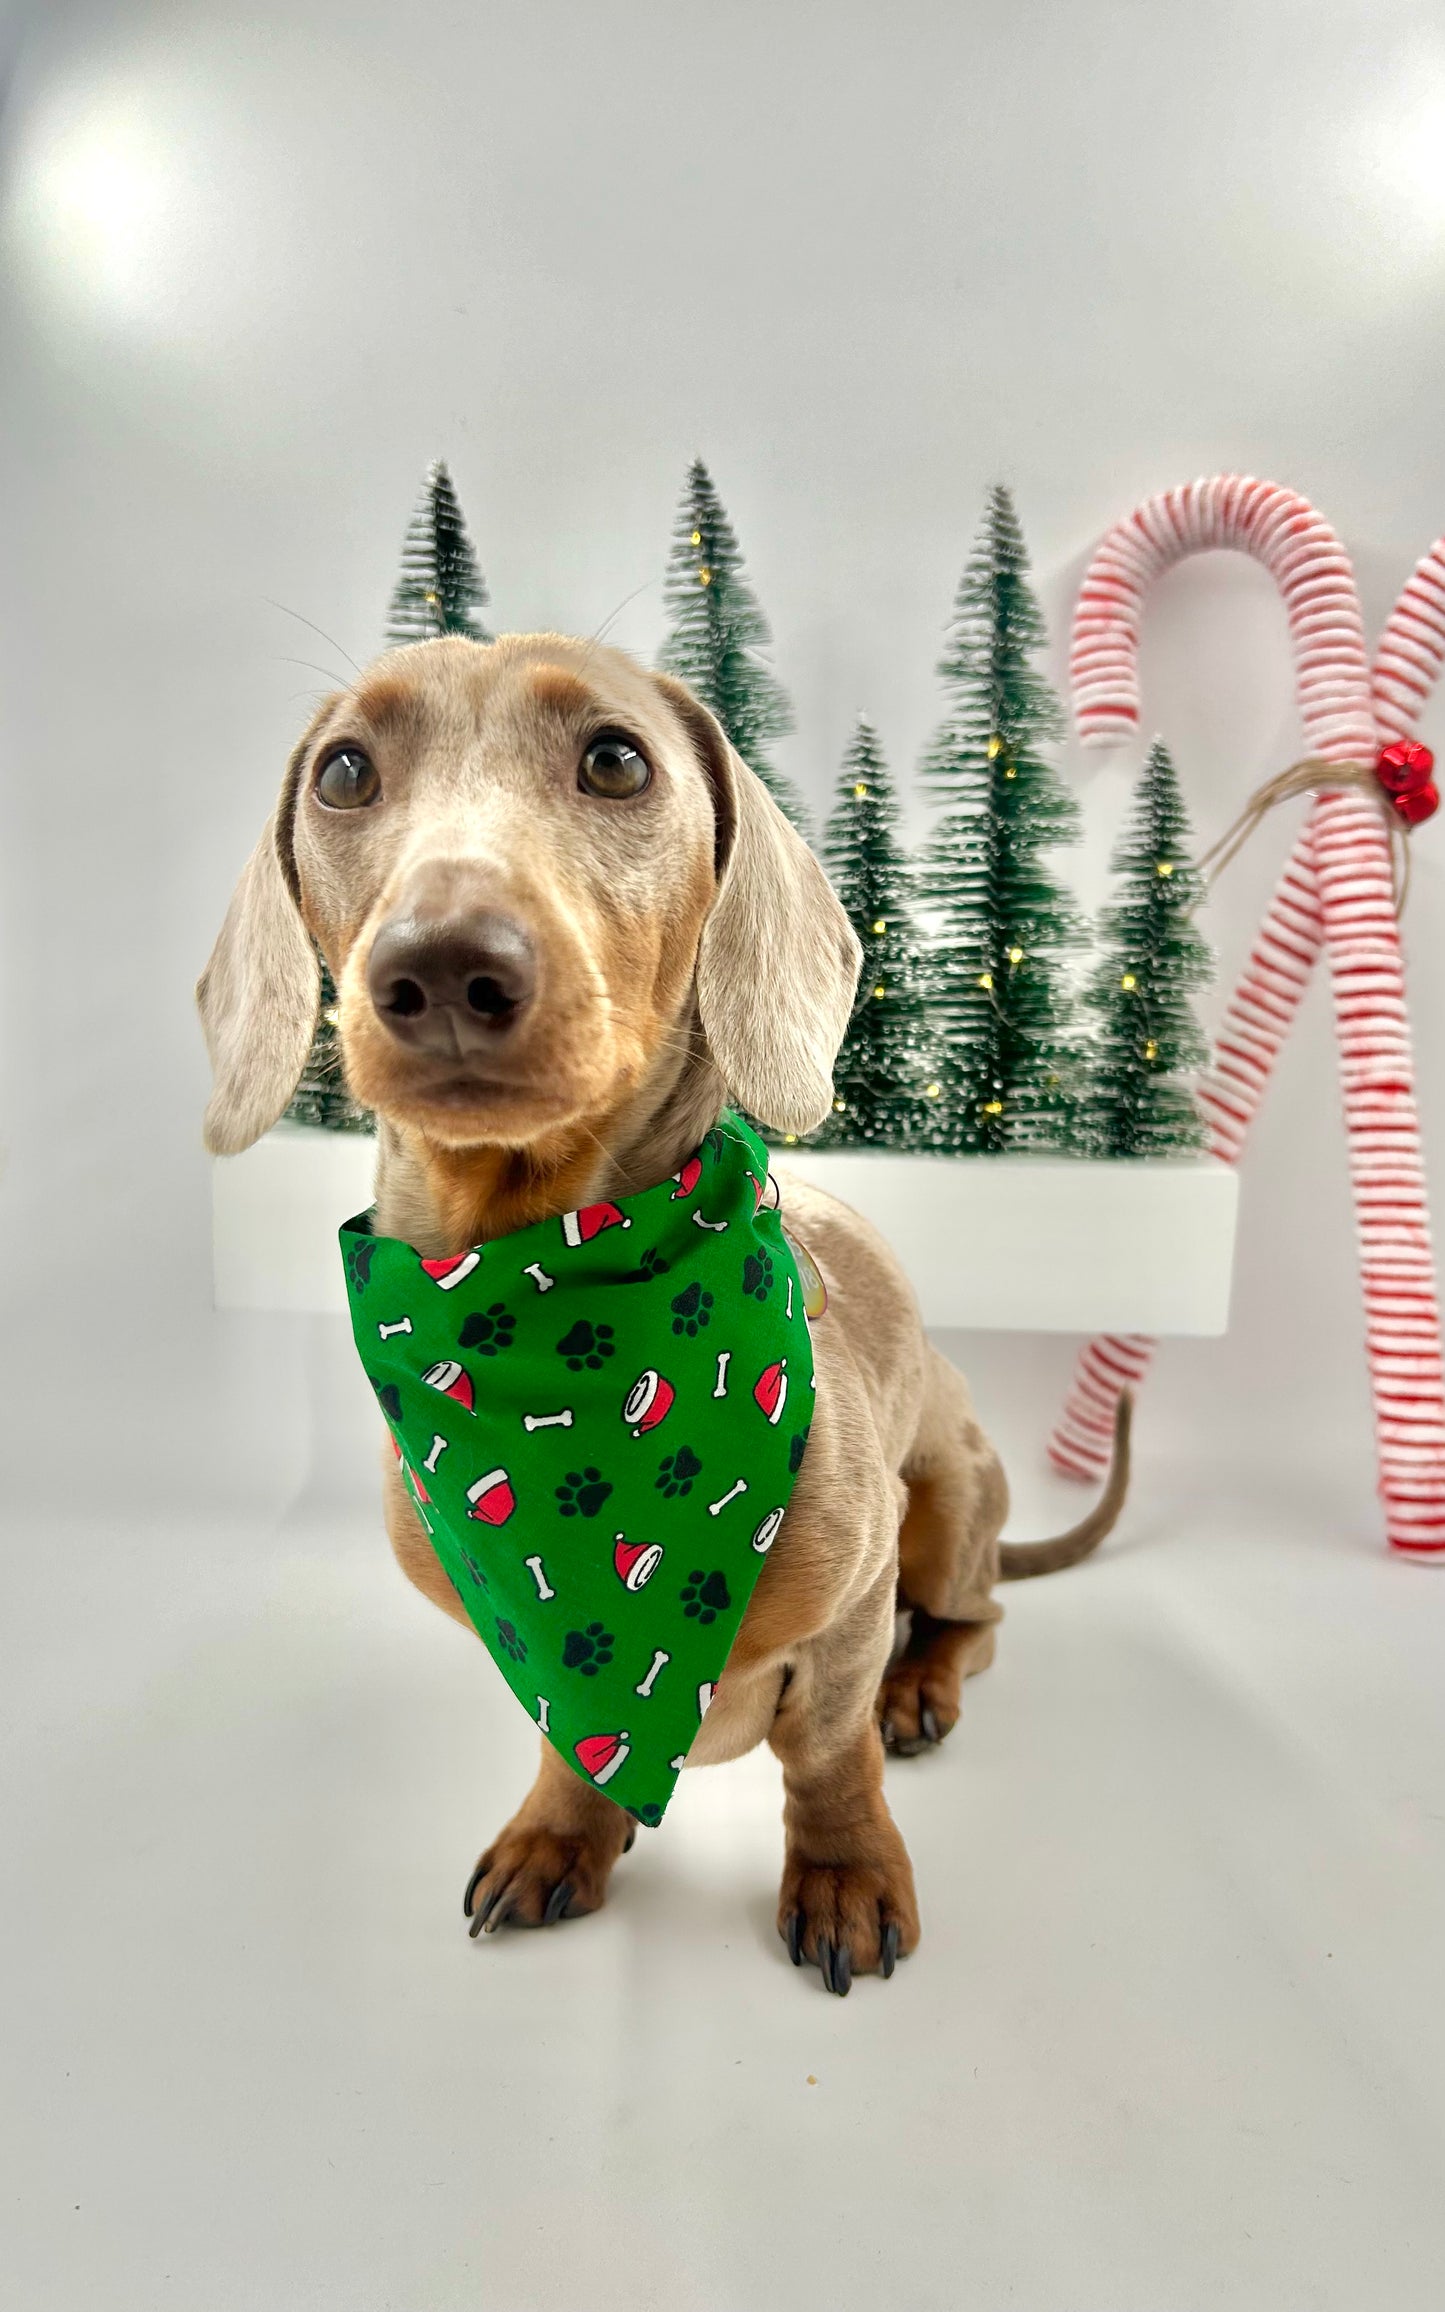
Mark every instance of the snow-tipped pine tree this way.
pixel 1152 961
pixel 441 589
pixel 878 1076
pixel 1005 1044
pixel 321 1096
pixel 719 633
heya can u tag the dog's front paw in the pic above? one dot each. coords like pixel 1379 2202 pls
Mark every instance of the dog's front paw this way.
pixel 919 1699
pixel 849 1918
pixel 532 1875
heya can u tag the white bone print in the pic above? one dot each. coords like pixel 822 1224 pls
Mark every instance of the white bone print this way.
pixel 402 1325
pixel 715 1508
pixel 717 1226
pixel 724 1360
pixel 535 1270
pixel 789 1309
pixel 659 1659
pixel 705 1694
pixel 438 1448
pixel 538 1572
pixel 544 1714
pixel 561 1420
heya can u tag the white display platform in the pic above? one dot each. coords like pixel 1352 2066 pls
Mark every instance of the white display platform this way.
pixel 992 1243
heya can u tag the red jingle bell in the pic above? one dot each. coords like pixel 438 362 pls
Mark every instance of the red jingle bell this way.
pixel 1404 768
pixel 1419 804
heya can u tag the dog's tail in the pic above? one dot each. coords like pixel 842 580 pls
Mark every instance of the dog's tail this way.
pixel 1021 1560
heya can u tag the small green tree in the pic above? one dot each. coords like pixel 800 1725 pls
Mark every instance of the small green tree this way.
pixel 718 632
pixel 878 1077
pixel 321 1096
pixel 441 589
pixel 1005 1043
pixel 1152 960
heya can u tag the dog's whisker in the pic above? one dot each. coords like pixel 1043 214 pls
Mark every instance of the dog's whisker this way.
pixel 288 612
pixel 283 659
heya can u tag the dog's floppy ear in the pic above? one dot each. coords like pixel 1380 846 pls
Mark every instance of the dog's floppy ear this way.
pixel 259 993
pixel 777 966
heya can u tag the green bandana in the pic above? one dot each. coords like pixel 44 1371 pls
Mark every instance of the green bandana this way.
pixel 600 1420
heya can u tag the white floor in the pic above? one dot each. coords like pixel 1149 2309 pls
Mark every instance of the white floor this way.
pixel 1174 2038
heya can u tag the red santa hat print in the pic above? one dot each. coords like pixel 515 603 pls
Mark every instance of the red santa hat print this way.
pixel 635 1561
pixel 688 1178
pixel 491 1498
pixel 581 1227
pixel 450 1272
pixel 648 1402
pixel 452 1380
pixel 770 1390
pixel 600 1755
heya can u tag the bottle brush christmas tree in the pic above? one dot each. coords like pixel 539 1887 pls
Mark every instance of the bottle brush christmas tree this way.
pixel 321 1096
pixel 878 1077
pixel 1006 1059
pixel 441 589
pixel 718 634
pixel 1152 961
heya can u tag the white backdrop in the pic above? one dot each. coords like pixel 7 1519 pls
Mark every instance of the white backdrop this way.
pixel 261 266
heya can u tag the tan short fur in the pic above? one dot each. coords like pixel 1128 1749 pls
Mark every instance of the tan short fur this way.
pixel 658 921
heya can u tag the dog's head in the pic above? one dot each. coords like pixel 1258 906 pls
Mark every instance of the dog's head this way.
pixel 531 867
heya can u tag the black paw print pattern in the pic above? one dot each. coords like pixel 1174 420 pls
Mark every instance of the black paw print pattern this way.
pixel 650 1264
pixel 758 1275
pixel 705 1596
pixel 509 1641
pixel 796 1451
pixel 586 1345
pixel 582 1492
pixel 678 1471
pixel 488 1331
pixel 691 1310
pixel 389 1399
pixel 588 1650
pixel 359 1257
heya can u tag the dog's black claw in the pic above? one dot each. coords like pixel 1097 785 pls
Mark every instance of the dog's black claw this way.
pixel 631 1840
pixel 477 1874
pixel 929 1724
pixel 825 1961
pixel 886 1730
pixel 481 1917
pixel 557 1902
pixel 793 1936
pixel 888 1956
pixel 840 1980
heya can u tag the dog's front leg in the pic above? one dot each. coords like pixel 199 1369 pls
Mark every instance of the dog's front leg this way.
pixel 555 1856
pixel 847 1900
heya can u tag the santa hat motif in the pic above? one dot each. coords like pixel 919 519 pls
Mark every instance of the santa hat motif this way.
pixel 449 1273
pixel 581 1227
pixel 688 1178
pixel 600 1755
pixel 492 1498
pixel 636 1561
pixel 454 1381
pixel 770 1390
pixel 648 1402
pixel 767 1532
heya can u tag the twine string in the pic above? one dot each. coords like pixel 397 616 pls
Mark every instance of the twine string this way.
pixel 1308 777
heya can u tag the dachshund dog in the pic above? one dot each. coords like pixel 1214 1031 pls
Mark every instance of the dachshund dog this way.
pixel 605 931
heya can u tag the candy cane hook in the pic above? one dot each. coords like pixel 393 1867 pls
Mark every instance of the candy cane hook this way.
pixel 1335 891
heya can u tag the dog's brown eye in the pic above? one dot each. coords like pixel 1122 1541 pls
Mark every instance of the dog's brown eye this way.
pixel 349 779
pixel 613 767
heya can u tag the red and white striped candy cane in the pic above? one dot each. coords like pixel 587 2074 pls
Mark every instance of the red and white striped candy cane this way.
pixel 1335 891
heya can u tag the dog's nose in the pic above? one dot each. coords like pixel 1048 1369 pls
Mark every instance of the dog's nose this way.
pixel 451 985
